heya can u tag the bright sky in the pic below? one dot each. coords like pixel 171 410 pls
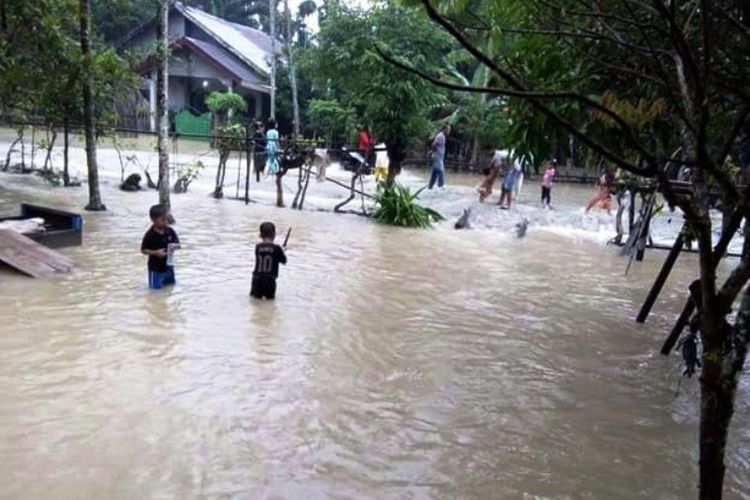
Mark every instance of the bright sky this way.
pixel 312 21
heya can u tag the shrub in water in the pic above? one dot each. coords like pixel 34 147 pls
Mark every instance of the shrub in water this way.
pixel 396 205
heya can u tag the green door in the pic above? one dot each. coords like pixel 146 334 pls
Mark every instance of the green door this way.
pixel 187 123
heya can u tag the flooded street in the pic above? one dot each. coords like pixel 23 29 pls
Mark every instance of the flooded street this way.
pixel 394 363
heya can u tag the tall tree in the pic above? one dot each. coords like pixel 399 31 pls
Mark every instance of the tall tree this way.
pixel 162 57
pixel 272 32
pixel 115 18
pixel 347 65
pixel 95 198
pixel 292 68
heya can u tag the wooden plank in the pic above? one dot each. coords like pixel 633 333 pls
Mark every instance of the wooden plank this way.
pixel 52 258
pixel 29 257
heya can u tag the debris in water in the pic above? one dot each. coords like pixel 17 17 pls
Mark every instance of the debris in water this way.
pixel 521 227
pixel 463 221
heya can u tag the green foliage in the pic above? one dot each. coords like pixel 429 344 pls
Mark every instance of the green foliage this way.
pixel 41 60
pixel 331 117
pixel 186 174
pixel 347 65
pixel 112 19
pixel 309 143
pixel 226 103
pixel 231 138
pixel 397 206
pixel 37 53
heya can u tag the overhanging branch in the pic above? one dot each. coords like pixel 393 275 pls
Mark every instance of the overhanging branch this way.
pixel 599 148
pixel 538 104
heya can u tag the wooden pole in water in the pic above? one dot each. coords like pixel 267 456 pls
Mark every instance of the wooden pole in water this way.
pixel 721 247
pixel 249 152
pixel 653 294
pixel 304 190
pixel 640 245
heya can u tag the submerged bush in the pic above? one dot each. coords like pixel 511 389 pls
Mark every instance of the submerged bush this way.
pixel 397 206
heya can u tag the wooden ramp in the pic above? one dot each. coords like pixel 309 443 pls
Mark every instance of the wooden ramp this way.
pixel 29 257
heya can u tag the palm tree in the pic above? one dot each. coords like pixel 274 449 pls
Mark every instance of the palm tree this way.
pixel 95 198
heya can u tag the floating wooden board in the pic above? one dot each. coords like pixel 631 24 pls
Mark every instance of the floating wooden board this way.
pixel 29 257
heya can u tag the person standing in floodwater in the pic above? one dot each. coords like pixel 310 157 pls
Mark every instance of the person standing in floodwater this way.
pixel 437 157
pixel 604 188
pixel 259 153
pixel 491 173
pixel 268 256
pixel 366 146
pixel 272 147
pixel 509 183
pixel 549 174
pixel 159 242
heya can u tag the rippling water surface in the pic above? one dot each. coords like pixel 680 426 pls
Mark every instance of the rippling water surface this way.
pixel 394 363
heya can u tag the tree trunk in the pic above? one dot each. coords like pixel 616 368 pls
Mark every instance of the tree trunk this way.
pixel 51 145
pixel 272 22
pixel 66 143
pixel 23 150
pixel 162 53
pixel 3 17
pixel 10 153
pixel 292 69
pixel 33 145
pixel 219 187
pixel 394 164
pixel 280 188
pixel 474 151
pixel 719 377
pixel 95 198
pixel 716 412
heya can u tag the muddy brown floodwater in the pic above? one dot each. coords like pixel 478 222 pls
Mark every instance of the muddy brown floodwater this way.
pixel 394 364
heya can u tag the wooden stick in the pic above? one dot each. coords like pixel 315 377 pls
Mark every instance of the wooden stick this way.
pixel 286 240
pixel 719 250
pixel 653 294
pixel 328 179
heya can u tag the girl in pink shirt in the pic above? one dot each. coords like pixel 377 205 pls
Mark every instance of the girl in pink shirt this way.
pixel 549 174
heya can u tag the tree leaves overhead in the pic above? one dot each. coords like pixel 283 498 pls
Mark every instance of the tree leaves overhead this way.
pixel 41 61
pixel 349 68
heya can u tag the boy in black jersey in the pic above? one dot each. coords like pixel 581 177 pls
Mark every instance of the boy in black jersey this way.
pixel 158 243
pixel 268 255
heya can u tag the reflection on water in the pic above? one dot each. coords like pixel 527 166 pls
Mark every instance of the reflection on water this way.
pixel 394 364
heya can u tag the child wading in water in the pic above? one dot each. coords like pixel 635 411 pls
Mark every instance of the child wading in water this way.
pixel 509 183
pixel 603 196
pixel 549 175
pixel 158 243
pixel 268 255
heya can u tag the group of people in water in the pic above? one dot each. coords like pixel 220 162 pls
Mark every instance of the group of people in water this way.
pixel 513 177
pixel 161 241
pixel 266 159
pixel 266 148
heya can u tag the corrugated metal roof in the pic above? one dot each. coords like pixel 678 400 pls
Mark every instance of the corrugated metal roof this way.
pixel 224 59
pixel 250 45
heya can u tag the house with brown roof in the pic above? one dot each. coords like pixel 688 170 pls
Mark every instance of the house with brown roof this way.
pixel 207 54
